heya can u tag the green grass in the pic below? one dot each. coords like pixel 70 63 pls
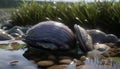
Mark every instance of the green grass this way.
pixel 116 59
pixel 100 15
pixel 5 14
pixel 16 47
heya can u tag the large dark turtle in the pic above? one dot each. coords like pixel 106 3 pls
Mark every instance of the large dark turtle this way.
pixel 50 35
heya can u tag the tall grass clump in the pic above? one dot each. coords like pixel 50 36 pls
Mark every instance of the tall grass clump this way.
pixel 3 16
pixel 104 15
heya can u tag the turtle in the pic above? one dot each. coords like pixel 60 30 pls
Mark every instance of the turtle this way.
pixel 56 36
pixel 50 35
pixel 84 39
pixel 99 36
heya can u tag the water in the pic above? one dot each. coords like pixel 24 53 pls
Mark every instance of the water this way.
pixel 8 57
pixel 97 61
pixel 11 57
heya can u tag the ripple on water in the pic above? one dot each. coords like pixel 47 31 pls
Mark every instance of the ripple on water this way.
pixel 10 56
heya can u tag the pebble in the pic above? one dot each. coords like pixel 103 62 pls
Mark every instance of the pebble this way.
pixel 45 63
pixel 65 61
pixel 83 58
pixel 14 63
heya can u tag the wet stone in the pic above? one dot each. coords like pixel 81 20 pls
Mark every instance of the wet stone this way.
pixel 65 61
pixel 14 63
pixel 45 63
pixel 79 62
pixel 82 58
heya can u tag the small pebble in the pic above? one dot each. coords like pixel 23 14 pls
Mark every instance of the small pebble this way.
pixel 79 62
pixel 83 58
pixel 45 63
pixel 14 62
pixel 65 61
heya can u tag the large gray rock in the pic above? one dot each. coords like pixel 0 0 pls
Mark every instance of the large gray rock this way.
pixel 5 36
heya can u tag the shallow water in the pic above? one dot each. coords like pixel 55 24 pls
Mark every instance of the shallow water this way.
pixel 11 57
pixel 8 57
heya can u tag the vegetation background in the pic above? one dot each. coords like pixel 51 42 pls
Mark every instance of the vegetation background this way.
pixel 103 15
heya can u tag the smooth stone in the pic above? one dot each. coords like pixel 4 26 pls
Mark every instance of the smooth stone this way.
pixel 14 63
pixel 83 58
pixel 101 47
pixel 45 63
pixel 79 62
pixel 65 61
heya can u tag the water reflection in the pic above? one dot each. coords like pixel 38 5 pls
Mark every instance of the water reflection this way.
pixel 8 57
pixel 18 58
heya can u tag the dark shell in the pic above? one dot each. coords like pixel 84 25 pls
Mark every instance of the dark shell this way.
pixel 84 39
pixel 101 37
pixel 111 38
pixel 50 35
pixel 97 35
pixel 5 36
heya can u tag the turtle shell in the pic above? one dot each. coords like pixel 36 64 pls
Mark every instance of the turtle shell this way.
pixel 50 35
pixel 101 37
pixel 83 38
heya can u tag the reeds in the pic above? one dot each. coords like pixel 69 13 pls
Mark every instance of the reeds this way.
pixel 95 14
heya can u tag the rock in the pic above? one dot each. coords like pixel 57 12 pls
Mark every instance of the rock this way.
pixel 45 63
pixel 14 62
pixel 65 61
pixel 5 36
pixel 83 58
pixel 101 47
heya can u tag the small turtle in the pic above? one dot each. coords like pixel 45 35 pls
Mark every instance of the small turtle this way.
pixel 84 38
pixel 101 37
